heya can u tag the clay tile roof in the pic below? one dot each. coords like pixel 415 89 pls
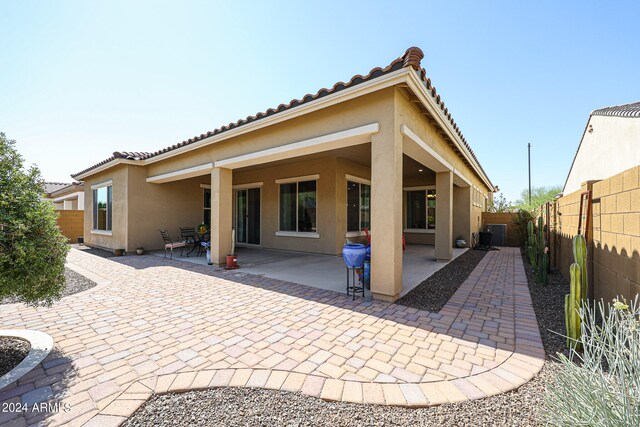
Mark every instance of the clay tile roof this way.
pixel 625 110
pixel 50 187
pixel 411 58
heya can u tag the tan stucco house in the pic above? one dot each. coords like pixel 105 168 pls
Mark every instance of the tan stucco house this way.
pixel 609 145
pixel 65 196
pixel 379 152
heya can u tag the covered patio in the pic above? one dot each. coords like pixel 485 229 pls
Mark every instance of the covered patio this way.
pixel 291 208
pixel 323 271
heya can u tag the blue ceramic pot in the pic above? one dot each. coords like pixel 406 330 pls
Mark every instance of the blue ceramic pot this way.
pixel 367 274
pixel 353 255
pixel 367 257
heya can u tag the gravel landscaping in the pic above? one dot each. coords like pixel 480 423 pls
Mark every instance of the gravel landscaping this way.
pixel 435 291
pixel 94 251
pixel 12 352
pixel 251 407
pixel 74 283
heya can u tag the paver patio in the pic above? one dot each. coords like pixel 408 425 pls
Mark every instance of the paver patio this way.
pixel 154 325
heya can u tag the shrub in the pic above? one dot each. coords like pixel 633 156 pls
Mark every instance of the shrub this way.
pixel 32 249
pixel 520 222
pixel 601 386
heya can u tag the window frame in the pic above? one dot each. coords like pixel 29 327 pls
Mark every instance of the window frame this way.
pixel 406 192
pixel 297 180
pixel 206 209
pixel 360 182
pixel 109 209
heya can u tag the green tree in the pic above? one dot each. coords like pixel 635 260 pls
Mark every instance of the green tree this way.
pixel 500 204
pixel 32 249
pixel 539 196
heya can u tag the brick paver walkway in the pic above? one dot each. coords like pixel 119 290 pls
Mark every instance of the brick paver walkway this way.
pixel 154 325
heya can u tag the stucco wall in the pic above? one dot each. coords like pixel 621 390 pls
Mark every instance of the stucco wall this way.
pixel 70 201
pixel 166 206
pixel 372 108
pixel 118 237
pixel 615 139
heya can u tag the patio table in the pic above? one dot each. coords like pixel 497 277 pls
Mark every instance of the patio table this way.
pixel 206 246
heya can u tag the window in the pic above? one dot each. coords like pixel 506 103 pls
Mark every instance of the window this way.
pixel 102 206
pixel 421 209
pixel 298 206
pixel 206 219
pixel 358 206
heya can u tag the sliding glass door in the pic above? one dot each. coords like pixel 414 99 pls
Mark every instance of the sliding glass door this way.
pixel 247 221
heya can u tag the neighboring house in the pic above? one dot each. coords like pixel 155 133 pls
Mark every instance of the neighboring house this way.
pixel 379 152
pixel 66 196
pixel 50 187
pixel 610 144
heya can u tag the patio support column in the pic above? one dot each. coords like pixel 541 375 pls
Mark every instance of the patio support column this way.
pixel 444 215
pixel 221 214
pixel 462 219
pixel 386 213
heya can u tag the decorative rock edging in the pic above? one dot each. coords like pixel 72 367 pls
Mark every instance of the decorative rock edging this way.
pixel 511 374
pixel 41 345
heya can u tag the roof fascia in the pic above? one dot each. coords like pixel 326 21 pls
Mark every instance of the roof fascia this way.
pixel 106 166
pixel 419 89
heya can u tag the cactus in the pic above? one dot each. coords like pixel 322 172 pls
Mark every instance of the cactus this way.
pixel 572 302
pixel 580 258
pixel 532 245
pixel 578 291
pixel 538 251
pixel 541 242
pixel 532 257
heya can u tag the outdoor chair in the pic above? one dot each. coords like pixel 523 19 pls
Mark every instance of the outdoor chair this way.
pixel 170 245
pixel 190 237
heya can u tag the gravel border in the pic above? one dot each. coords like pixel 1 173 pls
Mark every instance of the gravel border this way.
pixel 12 351
pixel 437 289
pixel 253 407
pixel 73 283
pixel 103 253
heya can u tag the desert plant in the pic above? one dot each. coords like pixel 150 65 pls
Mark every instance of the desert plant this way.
pixel 532 245
pixel 520 223
pixel 544 267
pixel 577 295
pixel 537 251
pixel 580 258
pixel 32 249
pixel 572 304
pixel 601 386
pixel 543 253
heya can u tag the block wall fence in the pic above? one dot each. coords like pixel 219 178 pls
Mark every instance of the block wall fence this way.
pixel 71 224
pixel 613 234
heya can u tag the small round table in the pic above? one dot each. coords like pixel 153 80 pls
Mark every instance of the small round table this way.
pixel 207 248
